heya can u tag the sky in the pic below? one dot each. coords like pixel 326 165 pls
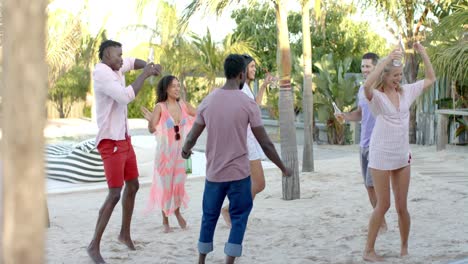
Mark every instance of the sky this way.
pixel 118 14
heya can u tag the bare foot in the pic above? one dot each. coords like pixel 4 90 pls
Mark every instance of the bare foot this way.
pixel 166 228
pixel 226 216
pixel 128 242
pixel 182 222
pixel 404 252
pixel 94 254
pixel 372 256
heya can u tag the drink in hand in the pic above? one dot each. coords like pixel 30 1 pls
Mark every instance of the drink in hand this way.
pixel 338 114
pixel 151 59
pixel 398 63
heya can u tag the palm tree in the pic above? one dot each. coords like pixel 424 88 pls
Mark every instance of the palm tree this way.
pixel 449 55
pixel 63 43
pixel 89 55
pixel 291 188
pixel 307 98
pixel 89 51
pixel 172 50
pixel 197 56
pixel 211 57
pixel 333 86
pixel 23 140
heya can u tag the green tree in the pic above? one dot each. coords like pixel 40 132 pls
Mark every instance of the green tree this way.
pixel 333 86
pixel 257 24
pixel 449 49
pixel 70 88
pixel 64 38
pixel 211 57
pixel 333 31
pixel 146 97
pixel 173 51
pixel 196 56
pixel 337 32
pixel 449 55
pixel 89 50
pixel 63 42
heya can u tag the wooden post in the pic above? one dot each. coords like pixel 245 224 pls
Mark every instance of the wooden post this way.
pixel 23 104
pixel 442 138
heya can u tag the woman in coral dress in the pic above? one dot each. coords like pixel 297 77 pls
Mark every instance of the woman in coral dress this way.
pixel 389 153
pixel 170 122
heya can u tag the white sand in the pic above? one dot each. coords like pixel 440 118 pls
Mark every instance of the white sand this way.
pixel 327 225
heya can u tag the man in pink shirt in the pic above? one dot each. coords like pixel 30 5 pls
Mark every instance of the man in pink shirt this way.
pixel 112 140
pixel 226 114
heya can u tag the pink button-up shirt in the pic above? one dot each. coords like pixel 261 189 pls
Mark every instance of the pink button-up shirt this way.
pixel 112 98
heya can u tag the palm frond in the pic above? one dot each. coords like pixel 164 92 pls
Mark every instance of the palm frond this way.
pixel 451 60
pixel 207 7
pixel 449 45
pixel 63 42
pixel 454 23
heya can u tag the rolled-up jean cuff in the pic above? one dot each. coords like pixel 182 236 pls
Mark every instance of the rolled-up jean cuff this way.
pixel 205 248
pixel 233 250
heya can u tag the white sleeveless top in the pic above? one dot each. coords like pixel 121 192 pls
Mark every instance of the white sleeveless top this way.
pixel 255 151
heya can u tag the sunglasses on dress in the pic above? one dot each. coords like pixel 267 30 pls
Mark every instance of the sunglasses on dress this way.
pixel 177 135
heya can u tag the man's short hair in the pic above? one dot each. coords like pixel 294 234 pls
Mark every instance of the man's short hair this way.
pixel 233 66
pixel 371 56
pixel 106 44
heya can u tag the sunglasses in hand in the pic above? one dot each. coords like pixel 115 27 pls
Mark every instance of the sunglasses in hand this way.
pixel 177 135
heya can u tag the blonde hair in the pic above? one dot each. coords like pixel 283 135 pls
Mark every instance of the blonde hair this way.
pixel 388 67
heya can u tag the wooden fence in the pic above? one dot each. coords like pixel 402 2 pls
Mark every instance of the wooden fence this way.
pixel 426 117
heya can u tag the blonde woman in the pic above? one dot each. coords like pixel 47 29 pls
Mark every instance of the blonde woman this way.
pixel 389 153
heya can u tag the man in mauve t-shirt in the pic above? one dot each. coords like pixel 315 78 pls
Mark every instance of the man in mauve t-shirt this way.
pixel 226 114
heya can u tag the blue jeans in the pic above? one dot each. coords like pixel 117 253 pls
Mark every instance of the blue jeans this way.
pixel 240 204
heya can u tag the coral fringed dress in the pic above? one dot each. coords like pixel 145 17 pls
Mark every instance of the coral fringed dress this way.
pixel 168 188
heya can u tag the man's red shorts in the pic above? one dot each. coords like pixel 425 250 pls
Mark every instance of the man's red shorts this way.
pixel 119 161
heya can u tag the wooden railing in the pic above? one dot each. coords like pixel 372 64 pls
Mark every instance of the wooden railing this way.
pixel 443 116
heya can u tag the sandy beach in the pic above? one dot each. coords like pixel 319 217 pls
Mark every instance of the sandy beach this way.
pixel 327 225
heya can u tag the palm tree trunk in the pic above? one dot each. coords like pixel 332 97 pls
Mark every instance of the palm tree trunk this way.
pixel 307 98
pixel 61 106
pixel 23 140
pixel 291 188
